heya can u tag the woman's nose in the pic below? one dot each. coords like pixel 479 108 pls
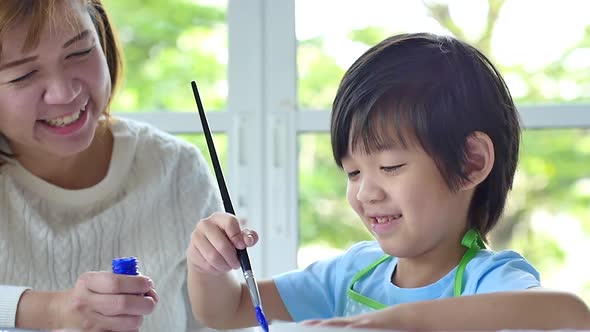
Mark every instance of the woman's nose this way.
pixel 61 90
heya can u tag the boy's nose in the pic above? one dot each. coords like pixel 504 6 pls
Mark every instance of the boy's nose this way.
pixel 369 191
pixel 61 90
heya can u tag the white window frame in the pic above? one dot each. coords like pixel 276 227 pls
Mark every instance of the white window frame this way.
pixel 263 121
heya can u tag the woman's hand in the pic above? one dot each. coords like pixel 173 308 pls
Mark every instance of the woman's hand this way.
pixel 103 301
pixel 214 241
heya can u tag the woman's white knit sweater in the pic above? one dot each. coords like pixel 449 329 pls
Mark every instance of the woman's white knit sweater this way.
pixel 157 188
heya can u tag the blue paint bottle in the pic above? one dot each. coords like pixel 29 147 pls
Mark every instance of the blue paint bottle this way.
pixel 125 265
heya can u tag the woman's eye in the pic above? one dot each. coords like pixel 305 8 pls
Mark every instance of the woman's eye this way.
pixel 392 169
pixel 81 53
pixel 23 78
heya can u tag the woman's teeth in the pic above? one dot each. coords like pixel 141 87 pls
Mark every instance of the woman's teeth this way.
pixel 386 219
pixel 66 120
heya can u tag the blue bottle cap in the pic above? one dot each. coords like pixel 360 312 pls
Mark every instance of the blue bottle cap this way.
pixel 125 265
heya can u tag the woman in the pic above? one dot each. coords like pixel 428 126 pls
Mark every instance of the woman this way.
pixel 80 188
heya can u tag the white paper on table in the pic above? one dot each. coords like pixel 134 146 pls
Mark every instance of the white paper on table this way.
pixel 292 327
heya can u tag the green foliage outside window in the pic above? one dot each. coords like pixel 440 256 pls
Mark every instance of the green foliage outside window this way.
pixel 552 187
pixel 169 43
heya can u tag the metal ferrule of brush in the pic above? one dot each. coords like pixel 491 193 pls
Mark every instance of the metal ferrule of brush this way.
pixel 252 287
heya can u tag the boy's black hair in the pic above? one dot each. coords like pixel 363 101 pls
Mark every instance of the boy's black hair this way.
pixel 433 91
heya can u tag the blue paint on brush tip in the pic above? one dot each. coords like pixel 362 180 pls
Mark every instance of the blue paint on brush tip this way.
pixel 261 319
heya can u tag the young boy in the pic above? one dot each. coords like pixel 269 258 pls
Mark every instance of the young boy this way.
pixel 428 135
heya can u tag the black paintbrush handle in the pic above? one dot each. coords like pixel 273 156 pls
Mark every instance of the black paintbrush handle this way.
pixel 242 253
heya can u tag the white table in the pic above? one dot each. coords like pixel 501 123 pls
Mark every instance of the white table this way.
pixel 281 327
pixel 292 327
pixel 273 328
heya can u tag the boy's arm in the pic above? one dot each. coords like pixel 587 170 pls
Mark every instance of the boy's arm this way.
pixel 531 309
pixel 221 302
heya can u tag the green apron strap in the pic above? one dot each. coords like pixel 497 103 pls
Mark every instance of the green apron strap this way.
pixel 364 271
pixel 472 240
pixel 361 298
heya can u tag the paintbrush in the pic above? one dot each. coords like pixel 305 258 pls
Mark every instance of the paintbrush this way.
pixel 242 253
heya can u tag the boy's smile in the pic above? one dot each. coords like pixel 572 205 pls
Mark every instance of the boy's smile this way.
pixel 404 201
pixel 383 224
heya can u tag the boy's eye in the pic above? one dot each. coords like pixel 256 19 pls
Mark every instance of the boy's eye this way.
pixel 81 53
pixel 352 174
pixel 23 78
pixel 392 169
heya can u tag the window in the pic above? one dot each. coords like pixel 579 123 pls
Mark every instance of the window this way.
pixel 167 44
pixel 272 69
pixel 548 212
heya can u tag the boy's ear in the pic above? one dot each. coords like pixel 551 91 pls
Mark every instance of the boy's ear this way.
pixel 480 159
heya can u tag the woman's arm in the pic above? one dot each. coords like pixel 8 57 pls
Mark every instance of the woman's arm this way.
pixel 99 301
pixel 37 310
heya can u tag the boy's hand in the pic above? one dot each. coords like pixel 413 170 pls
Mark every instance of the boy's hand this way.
pixel 103 301
pixel 380 319
pixel 214 242
pixel 349 322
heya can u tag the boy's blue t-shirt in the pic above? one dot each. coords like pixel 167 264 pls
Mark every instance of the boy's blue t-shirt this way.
pixel 319 291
